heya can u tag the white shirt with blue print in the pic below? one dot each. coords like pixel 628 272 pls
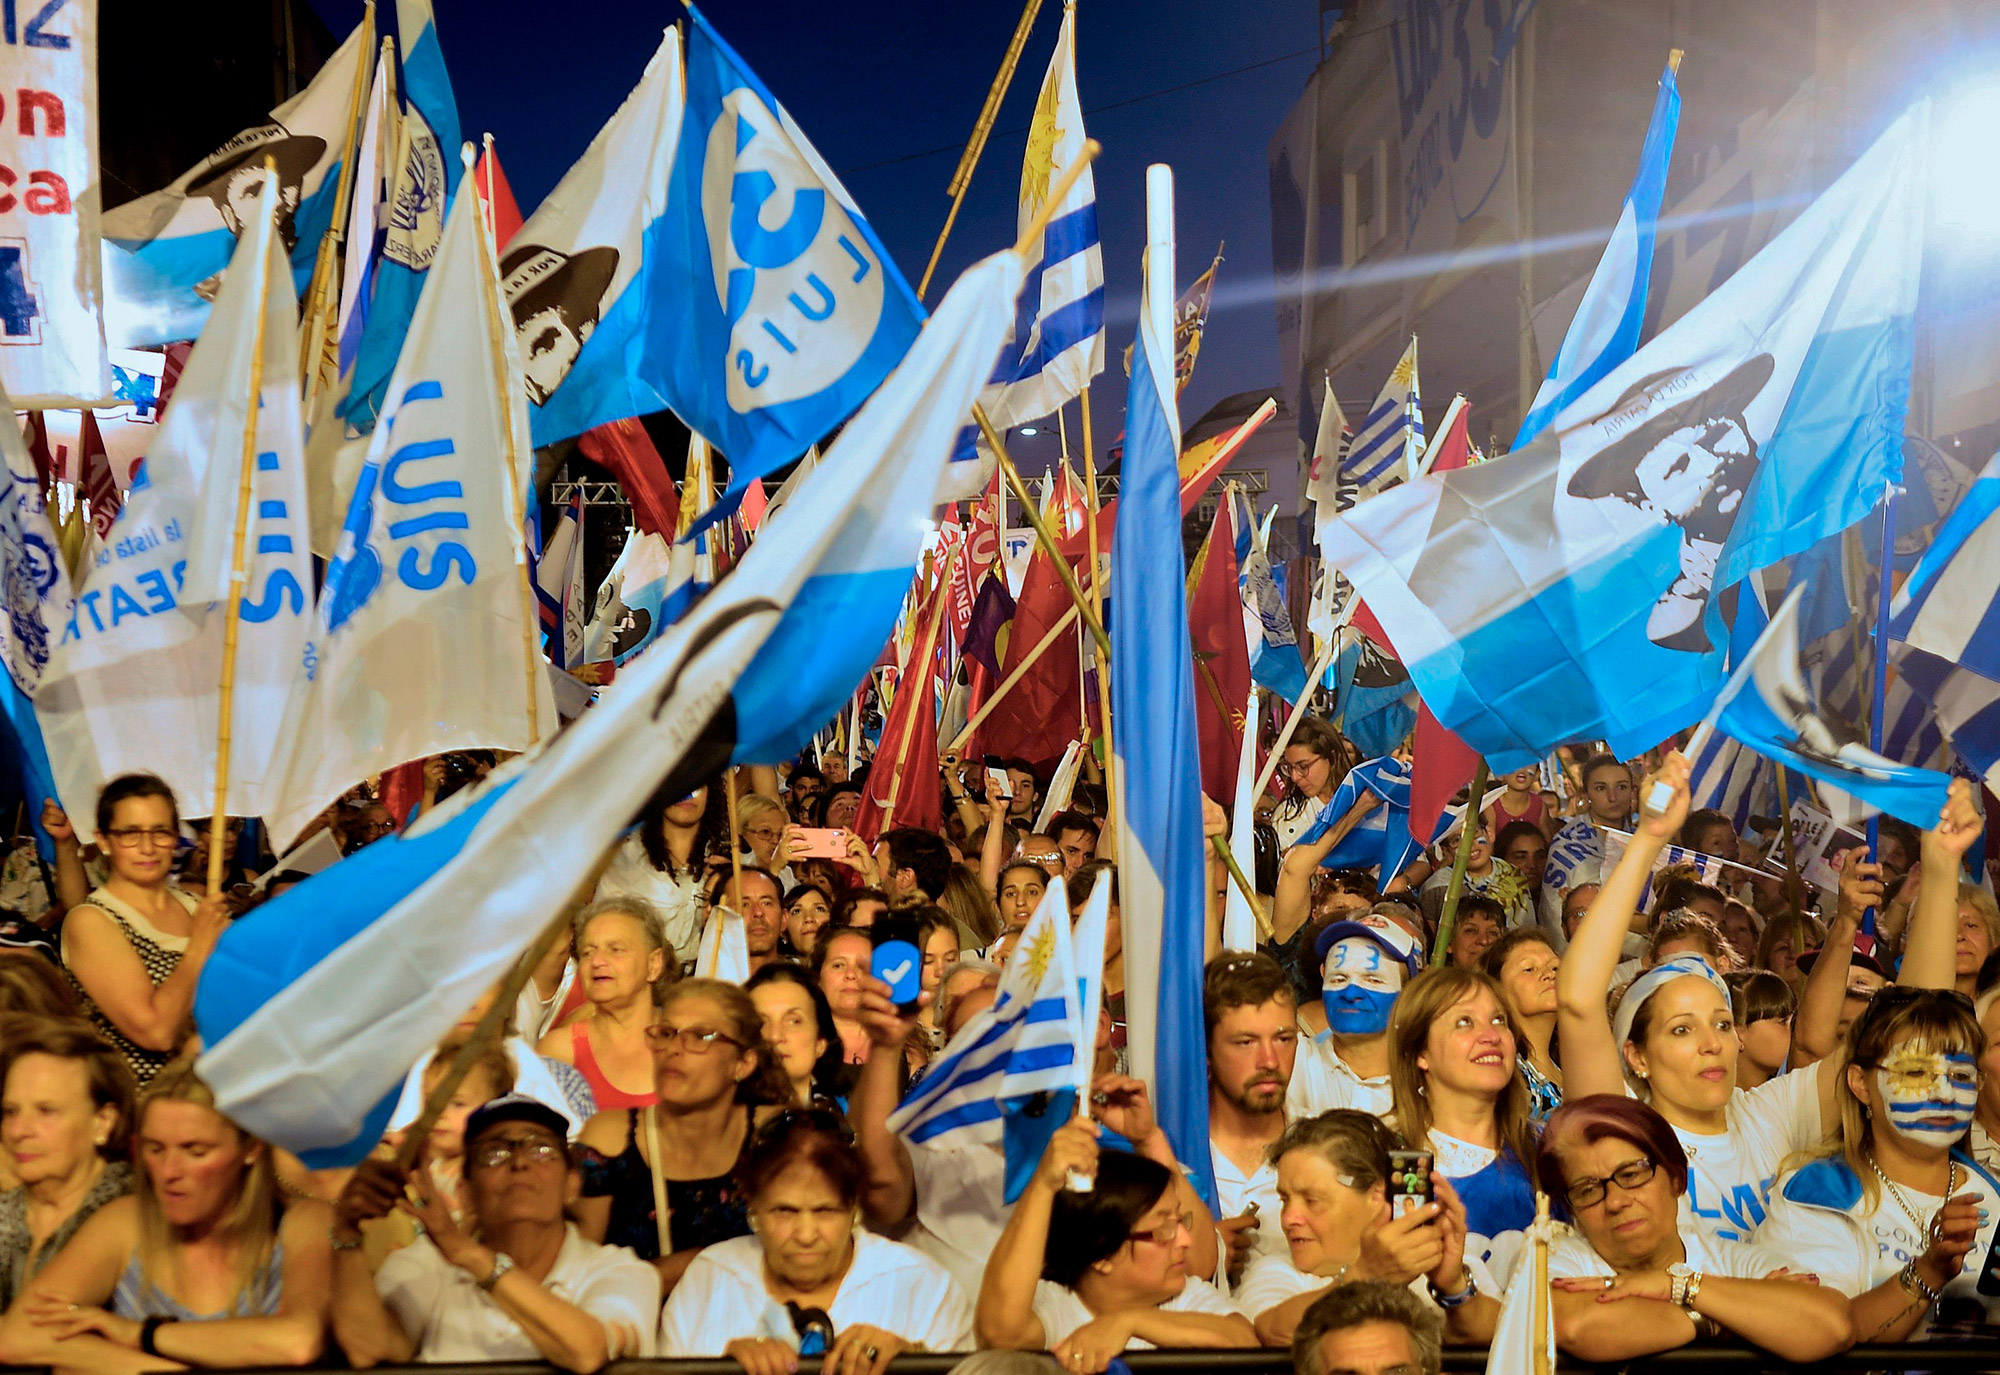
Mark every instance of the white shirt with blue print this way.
pixel 1730 1173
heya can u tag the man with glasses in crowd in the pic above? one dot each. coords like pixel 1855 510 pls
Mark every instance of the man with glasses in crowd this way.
pixel 515 1281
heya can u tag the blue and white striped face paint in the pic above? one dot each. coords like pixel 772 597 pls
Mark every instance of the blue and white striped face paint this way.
pixel 1929 1095
pixel 1359 984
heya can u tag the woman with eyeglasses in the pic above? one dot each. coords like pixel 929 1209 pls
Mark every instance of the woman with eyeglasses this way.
pixel 1674 1034
pixel 134 949
pixel 1333 1174
pixel 1087 1275
pixel 667 861
pixel 1895 1214
pixel 810 1284
pixel 200 1265
pixel 1314 763
pixel 1632 1280
pixel 760 823
pixel 624 964
pixel 716 1077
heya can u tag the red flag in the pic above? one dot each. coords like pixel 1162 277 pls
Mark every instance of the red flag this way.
pixel 99 486
pixel 902 787
pixel 983 543
pixel 1454 446
pixel 753 506
pixel 1440 764
pixel 401 789
pixel 1222 659
pixel 1039 716
pixel 627 450
pixel 497 195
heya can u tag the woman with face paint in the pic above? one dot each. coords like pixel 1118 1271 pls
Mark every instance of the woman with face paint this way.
pixel 1897 1216
pixel 1364 964
pixel 1674 1044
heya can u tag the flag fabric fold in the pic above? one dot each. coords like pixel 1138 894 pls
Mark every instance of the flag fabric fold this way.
pixel 1381 840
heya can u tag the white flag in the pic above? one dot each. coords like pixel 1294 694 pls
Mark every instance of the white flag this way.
pixel 419 643
pixel 134 679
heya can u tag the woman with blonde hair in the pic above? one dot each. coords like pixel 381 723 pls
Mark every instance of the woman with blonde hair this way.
pixel 201 1265
pixel 1893 1207
pixel 760 824
pixel 623 963
pixel 1978 936
pixel 1454 1052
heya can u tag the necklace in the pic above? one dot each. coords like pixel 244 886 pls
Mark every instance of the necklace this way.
pixel 1924 1229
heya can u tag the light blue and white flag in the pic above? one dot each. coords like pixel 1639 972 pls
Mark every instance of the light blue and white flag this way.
pixel 575 611
pixel 132 683
pixel 1390 440
pixel 1768 705
pixel 1274 642
pixel 632 604
pixel 1945 626
pixel 1765 418
pixel 164 253
pixel 1606 326
pixel 314 1007
pixel 1058 343
pixel 1157 782
pixel 419 643
pixel 1029 1042
pixel 1381 840
pixel 423 178
pixel 39 603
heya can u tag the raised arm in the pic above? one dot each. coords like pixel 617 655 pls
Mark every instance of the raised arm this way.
pixel 72 883
pixel 889 1190
pixel 110 971
pixel 1291 907
pixel 1593 1062
pixel 993 849
pixel 363 1327
pixel 1816 1026
pixel 1929 954
pixel 1005 1315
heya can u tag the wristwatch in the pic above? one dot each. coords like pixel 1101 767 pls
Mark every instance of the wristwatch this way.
pixel 502 1263
pixel 1686 1284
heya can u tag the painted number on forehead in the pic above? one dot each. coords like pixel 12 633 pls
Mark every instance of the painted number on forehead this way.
pixel 1356 956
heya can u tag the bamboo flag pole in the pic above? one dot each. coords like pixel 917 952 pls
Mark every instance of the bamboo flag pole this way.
pixel 314 337
pixel 1468 828
pixel 232 610
pixel 1299 711
pixel 961 177
pixel 499 335
pixel 1055 632
pixel 1091 501
pixel 1539 1291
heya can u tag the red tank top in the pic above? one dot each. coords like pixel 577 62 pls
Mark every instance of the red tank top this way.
pixel 608 1094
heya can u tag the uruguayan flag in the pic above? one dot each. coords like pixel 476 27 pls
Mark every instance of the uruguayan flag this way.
pixel 1058 343
pixel 164 253
pixel 1386 448
pixel 314 1007
pixel 1945 625
pixel 133 681
pixel 423 632
pixel 1730 779
pixel 1028 1042
pixel 1381 840
pixel 1768 705
pixel 422 180
pixel 1158 783
pixel 1765 418
pixel 1605 329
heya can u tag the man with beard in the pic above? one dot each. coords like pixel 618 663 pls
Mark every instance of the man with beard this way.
pixel 761 903
pixel 1253 1039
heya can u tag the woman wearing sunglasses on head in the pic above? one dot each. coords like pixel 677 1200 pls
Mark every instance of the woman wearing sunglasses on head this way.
pixel 1896 1215
pixel 717 1077
pixel 810 1288
pixel 1632 1280
pixel 1088 1274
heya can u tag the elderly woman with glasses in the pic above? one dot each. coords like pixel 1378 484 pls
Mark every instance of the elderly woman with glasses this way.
pixel 134 949
pixel 810 1281
pixel 1089 1274
pixel 661 1180
pixel 1631 1280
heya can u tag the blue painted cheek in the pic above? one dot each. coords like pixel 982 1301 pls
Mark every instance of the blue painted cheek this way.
pixel 1355 1011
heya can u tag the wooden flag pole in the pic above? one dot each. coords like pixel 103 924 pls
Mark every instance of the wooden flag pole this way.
pixel 1043 536
pixel 1299 712
pixel 1467 828
pixel 1091 501
pixel 498 332
pixel 1028 661
pixel 313 338
pixel 232 610
pixel 961 177
pixel 735 849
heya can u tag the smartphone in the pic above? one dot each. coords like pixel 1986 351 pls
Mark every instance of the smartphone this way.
pixel 820 843
pixel 897 962
pixel 998 777
pixel 1409 1181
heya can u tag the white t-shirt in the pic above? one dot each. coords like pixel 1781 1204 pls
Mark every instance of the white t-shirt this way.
pixel 1290 825
pixel 1321 1081
pixel 722 1297
pixel 1234 1191
pixel 1730 1173
pixel 1062 1312
pixel 1820 1220
pixel 451 1320
pixel 960 1207
pixel 631 874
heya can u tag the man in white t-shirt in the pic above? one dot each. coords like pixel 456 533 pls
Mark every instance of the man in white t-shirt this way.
pixel 1364 963
pixel 1253 1042
pixel 524 1286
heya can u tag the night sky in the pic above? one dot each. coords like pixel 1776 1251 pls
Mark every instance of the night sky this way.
pixel 888 91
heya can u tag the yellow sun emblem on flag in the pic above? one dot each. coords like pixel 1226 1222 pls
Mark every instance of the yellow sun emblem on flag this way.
pixel 1041 953
pixel 1038 165
pixel 1406 368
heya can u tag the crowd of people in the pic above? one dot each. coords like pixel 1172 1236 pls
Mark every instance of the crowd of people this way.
pixel 1762 1114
